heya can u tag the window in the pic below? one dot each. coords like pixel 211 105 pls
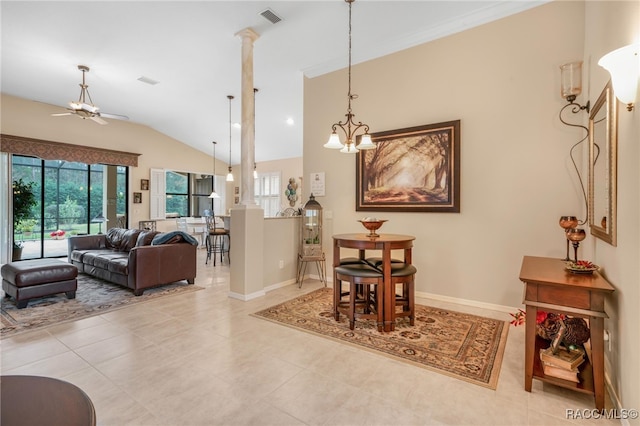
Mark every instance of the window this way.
pixel 177 192
pixel 186 194
pixel 200 189
pixel 267 192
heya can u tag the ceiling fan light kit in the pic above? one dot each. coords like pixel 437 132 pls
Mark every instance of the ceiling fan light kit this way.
pixel 83 109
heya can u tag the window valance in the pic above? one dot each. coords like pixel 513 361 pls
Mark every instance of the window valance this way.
pixel 49 150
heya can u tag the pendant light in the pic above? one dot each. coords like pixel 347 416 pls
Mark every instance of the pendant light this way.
pixel 350 127
pixel 230 174
pixel 214 194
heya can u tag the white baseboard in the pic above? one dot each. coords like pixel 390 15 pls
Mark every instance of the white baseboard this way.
pixel 466 302
pixel 279 285
pixel 246 297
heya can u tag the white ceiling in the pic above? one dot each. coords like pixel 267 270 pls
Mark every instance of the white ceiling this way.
pixel 191 49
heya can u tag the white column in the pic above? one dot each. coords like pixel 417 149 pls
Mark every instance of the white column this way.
pixel 248 133
pixel 247 219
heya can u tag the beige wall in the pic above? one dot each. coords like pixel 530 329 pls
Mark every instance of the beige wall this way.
pixel 502 81
pixel 289 168
pixel 608 26
pixel 22 117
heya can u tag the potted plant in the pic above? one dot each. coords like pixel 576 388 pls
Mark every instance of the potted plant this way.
pixel 26 227
pixel 23 200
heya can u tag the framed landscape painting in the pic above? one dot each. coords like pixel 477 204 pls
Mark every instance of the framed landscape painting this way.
pixel 416 169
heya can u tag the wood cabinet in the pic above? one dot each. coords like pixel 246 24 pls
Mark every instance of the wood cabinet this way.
pixel 551 288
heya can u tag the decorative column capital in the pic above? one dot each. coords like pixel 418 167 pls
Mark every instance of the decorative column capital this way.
pixel 248 33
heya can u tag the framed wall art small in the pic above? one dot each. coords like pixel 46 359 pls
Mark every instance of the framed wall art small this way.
pixel 137 197
pixel 144 184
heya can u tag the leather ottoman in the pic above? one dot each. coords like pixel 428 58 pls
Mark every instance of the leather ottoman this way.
pixel 28 279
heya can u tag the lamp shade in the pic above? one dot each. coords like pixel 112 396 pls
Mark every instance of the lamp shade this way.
pixel 334 142
pixel 365 142
pixel 624 66
pixel 349 148
pixel 214 194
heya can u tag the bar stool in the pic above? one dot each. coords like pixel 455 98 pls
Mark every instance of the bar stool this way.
pixel 404 274
pixel 401 273
pixel 361 278
pixel 218 241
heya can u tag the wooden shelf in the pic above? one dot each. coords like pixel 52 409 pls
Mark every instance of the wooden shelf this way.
pixel 585 372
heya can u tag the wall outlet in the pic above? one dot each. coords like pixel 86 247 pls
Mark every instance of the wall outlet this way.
pixel 281 264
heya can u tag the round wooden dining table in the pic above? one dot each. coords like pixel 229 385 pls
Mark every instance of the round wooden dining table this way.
pixel 384 243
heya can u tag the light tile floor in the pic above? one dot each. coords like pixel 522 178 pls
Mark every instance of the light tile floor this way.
pixel 201 359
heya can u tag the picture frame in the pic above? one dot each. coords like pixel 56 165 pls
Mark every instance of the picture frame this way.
pixel 144 184
pixel 416 169
pixel 603 167
pixel 137 197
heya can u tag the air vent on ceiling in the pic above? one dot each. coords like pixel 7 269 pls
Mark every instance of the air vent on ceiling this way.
pixel 148 80
pixel 270 16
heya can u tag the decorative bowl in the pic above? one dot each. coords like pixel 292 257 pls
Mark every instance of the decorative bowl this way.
pixel 372 224
pixel 581 267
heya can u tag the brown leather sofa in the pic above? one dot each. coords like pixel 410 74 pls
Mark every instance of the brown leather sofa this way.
pixel 135 258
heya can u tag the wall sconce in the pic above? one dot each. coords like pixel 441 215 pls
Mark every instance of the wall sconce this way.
pixel 624 66
pixel 571 87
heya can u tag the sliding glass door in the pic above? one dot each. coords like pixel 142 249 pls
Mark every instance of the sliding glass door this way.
pixel 72 199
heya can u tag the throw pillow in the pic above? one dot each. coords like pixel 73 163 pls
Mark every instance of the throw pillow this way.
pixel 145 238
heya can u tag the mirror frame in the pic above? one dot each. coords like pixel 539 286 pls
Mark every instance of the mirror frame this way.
pixel 606 231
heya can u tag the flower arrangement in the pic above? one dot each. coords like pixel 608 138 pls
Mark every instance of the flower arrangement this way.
pixel 57 235
pixel 520 316
pixel 548 325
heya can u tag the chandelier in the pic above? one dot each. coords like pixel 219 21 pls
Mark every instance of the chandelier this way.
pixel 349 126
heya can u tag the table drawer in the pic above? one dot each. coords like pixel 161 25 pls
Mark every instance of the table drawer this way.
pixel 572 297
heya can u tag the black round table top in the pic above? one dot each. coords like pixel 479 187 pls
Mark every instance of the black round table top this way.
pixel 36 400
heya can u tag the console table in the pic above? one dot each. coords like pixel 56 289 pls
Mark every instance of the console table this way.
pixel 551 288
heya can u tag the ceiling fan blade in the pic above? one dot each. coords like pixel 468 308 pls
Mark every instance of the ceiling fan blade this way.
pixel 98 120
pixel 114 116
pixel 61 114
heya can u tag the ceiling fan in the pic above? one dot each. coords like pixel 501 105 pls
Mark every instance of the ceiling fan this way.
pixel 86 110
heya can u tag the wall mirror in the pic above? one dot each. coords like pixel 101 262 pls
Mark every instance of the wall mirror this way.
pixel 603 162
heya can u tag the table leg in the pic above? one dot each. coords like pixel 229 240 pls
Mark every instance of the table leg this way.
pixel 597 359
pixel 337 286
pixel 530 346
pixel 388 291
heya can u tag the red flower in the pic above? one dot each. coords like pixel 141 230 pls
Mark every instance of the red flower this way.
pixel 540 317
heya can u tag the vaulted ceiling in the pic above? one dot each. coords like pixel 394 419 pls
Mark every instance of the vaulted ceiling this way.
pixel 191 50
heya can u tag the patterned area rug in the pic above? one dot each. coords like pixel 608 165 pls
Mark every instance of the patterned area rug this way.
pixel 93 297
pixel 468 347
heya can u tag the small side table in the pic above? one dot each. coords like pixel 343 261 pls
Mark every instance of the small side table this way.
pixel 549 287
